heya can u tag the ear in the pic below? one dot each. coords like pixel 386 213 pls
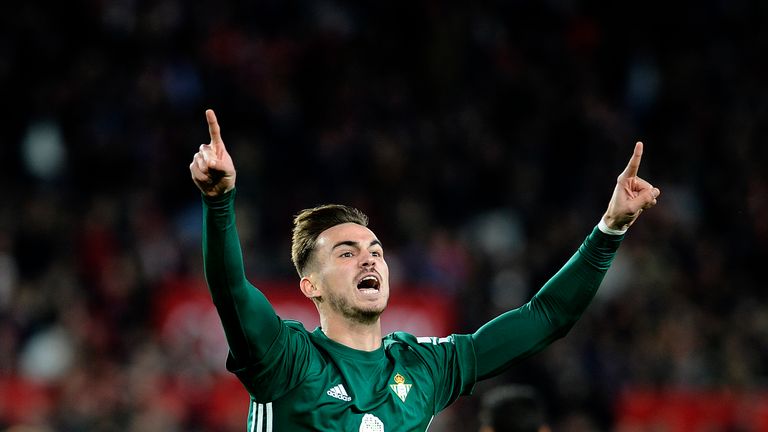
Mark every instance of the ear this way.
pixel 308 288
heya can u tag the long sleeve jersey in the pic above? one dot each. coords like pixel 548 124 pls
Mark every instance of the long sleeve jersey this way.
pixel 300 380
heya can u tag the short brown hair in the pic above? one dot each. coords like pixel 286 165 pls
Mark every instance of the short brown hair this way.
pixel 309 223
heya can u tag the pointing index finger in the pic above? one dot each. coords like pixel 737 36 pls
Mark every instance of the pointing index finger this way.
pixel 634 162
pixel 213 129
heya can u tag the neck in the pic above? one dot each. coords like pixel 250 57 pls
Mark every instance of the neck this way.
pixel 363 337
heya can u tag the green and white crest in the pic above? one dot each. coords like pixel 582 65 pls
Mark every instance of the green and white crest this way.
pixel 400 387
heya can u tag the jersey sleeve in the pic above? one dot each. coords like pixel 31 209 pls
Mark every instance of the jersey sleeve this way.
pixel 250 323
pixel 268 355
pixel 551 313
pixel 451 363
pixel 285 365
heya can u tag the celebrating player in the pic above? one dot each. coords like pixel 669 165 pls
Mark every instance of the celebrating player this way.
pixel 344 376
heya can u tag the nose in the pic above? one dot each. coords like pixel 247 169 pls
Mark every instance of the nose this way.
pixel 368 261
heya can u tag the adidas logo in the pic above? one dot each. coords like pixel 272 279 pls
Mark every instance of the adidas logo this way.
pixel 339 393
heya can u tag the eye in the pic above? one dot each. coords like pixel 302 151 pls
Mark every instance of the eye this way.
pixel 346 255
pixel 376 253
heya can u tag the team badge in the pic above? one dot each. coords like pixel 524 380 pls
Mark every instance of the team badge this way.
pixel 400 388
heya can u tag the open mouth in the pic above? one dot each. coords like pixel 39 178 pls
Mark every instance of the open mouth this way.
pixel 369 283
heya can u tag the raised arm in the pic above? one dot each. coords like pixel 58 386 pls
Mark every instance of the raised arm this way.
pixel 249 321
pixel 561 301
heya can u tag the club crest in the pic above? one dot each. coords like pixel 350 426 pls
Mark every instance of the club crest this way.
pixel 400 387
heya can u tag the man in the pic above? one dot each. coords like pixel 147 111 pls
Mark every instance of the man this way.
pixel 344 376
pixel 512 408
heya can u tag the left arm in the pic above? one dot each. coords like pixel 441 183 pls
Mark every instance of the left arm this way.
pixel 551 313
pixel 561 301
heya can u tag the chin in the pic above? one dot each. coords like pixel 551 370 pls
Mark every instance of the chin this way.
pixel 368 315
pixel 362 312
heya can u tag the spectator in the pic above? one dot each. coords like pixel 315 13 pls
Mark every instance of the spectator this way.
pixel 513 408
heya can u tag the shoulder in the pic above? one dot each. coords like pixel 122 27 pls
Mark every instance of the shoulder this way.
pixel 292 341
pixel 296 326
pixel 438 355
pixel 291 332
pixel 424 344
pixel 409 339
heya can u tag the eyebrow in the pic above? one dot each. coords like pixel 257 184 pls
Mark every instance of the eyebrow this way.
pixel 356 244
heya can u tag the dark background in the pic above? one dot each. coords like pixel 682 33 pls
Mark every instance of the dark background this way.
pixel 483 140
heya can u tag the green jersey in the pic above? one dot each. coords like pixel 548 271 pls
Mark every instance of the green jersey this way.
pixel 308 382
pixel 303 381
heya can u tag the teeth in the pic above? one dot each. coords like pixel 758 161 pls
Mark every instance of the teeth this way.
pixel 371 282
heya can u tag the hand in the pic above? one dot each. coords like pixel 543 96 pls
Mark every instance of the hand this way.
pixel 631 196
pixel 212 168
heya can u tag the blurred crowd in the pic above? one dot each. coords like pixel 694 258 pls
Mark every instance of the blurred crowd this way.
pixel 482 138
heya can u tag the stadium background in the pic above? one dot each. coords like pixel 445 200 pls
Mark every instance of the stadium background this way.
pixel 483 140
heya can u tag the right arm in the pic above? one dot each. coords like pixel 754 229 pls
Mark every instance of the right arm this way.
pixel 250 323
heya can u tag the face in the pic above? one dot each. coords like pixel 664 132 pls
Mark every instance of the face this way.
pixel 350 274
